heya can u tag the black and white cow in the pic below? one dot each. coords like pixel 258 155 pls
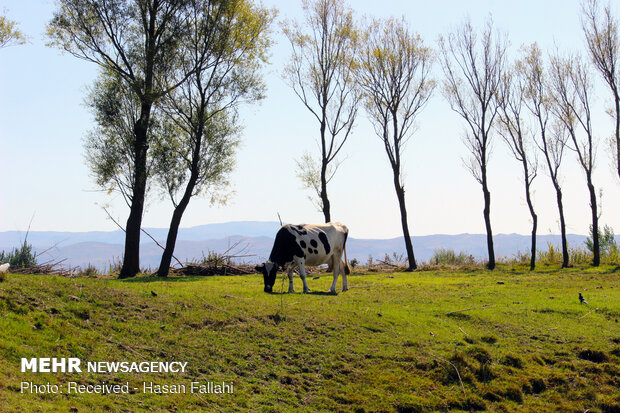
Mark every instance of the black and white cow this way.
pixel 307 244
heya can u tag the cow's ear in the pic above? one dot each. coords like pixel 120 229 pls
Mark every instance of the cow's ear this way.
pixel 260 268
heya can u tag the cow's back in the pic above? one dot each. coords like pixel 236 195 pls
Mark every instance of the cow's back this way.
pixel 316 243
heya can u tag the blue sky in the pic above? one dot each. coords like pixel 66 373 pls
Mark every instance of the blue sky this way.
pixel 43 121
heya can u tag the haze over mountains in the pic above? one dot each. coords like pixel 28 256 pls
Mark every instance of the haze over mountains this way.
pixel 255 239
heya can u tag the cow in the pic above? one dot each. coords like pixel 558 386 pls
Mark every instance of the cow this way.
pixel 307 244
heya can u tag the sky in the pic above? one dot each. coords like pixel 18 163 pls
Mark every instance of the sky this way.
pixel 43 120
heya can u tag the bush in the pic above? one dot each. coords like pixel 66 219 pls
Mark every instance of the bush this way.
pixel 21 257
pixel 394 260
pixel 449 257
pixel 606 240
pixel 552 255
pixel 607 244
pixel 579 256
pixel 214 259
pixel 89 271
pixel 115 267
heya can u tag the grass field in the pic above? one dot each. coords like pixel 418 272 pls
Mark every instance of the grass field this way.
pixel 507 340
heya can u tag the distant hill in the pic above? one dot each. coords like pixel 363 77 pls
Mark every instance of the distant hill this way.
pixel 254 239
pixel 10 239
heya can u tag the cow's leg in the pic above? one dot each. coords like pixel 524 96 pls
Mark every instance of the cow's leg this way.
pixel 290 280
pixel 345 285
pixel 302 274
pixel 336 267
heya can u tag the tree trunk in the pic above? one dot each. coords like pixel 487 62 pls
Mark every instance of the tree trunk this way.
pixel 324 199
pixel 617 103
pixel 179 210
pixel 173 231
pixel 400 194
pixel 487 222
pixel 131 257
pixel 596 259
pixel 558 192
pixel 534 220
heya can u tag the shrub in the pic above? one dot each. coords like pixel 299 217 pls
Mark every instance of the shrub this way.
pixel 213 258
pixel 89 271
pixel 551 256
pixel 21 257
pixel 612 256
pixel 115 267
pixel 449 257
pixel 610 253
pixel 370 262
pixel 606 240
pixel 395 259
pixel 579 256
pixel 521 258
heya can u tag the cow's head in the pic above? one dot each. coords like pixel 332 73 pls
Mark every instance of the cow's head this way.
pixel 269 270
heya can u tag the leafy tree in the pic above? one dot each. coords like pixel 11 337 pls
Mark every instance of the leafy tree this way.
pixel 140 42
pixel 199 154
pixel 551 138
pixel 394 74
pixel 321 72
pixel 201 114
pixel 571 89
pixel 601 31
pixel 9 33
pixel 607 240
pixel 514 130
pixel 109 147
pixel 473 69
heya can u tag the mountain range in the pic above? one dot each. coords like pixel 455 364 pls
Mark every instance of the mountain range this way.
pixel 251 241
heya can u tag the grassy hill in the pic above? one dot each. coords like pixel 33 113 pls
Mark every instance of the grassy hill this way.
pixel 508 340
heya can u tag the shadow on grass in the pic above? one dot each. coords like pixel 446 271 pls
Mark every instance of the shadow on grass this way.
pixel 321 293
pixel 308 293
pixel 154 278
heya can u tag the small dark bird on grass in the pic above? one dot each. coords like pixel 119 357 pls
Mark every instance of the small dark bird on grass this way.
pixel 582 300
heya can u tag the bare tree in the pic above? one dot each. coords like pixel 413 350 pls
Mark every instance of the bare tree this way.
pixel 601 31
pixel 473 70
pixel 552 138
pixel 394 76
pixel 571 89
pixel 515 132
pixel 321 74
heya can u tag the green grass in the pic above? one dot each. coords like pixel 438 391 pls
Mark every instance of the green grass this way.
pixel 388 344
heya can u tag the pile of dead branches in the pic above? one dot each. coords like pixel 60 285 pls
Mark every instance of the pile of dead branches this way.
pixel 47 268
pixel 215 268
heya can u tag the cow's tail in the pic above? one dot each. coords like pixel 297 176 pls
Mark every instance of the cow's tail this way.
pixel 347 269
